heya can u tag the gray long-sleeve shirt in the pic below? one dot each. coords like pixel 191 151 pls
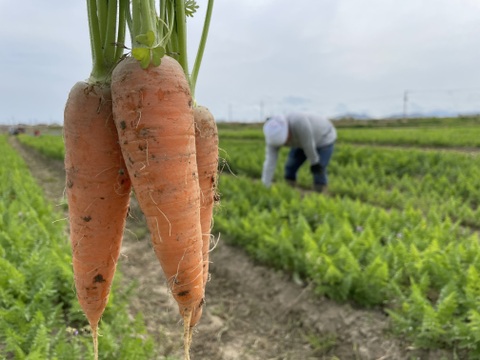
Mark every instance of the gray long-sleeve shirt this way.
pixel 307 132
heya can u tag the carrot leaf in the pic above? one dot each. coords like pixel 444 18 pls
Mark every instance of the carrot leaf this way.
pixel 146 55
pixel 143 55
pixel 147 39
pixel 154 35
pixel 157 54
pixel 190 7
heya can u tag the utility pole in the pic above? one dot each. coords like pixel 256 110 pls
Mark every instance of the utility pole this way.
pixel 261 110
pixel 405 105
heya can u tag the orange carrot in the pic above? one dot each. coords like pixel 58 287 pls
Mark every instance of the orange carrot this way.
pixel 98 193
pixel 206 141
pixel 153 113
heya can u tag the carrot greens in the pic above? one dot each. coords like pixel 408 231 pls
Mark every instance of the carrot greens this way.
pixel 156 35
pixel 107 26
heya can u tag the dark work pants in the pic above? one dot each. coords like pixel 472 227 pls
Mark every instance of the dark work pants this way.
pixel 296 157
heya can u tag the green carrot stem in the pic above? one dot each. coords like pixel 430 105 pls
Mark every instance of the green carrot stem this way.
pixel 120 43
pixel 168 21
pixel 144 20
pixel 102 20
pixel 110 32
pixel 95 41
pixel 149 19
pixel 174 50
pixel 201 48
pixel 102 9
pixel 148 22
pixel 181 32
pixel 162 16
pixel 136 21
pixel 129 19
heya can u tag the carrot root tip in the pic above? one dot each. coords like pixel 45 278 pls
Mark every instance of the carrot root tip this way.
pixel 187 333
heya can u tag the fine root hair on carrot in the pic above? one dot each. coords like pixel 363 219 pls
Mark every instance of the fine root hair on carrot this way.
pixel 158 230
pixel 89 206
pixel 214 241
pixel 138 110
pixel 105 170
pixel 168 221
pixel 221 150
pixel 173 279
pixel 132 233
pixel 58 220
pixel 222 164
pixel 62 203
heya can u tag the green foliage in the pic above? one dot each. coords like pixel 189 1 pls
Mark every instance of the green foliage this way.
pixel 407 255
pixel 391 178
pixel 51 146
pixel 191 7
pixel 419 136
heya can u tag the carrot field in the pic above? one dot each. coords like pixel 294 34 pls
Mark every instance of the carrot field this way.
pixel 396 237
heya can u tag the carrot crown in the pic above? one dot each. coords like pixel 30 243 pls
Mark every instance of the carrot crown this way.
pixel 154 35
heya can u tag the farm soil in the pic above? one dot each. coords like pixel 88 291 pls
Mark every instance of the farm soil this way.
pixel 251 312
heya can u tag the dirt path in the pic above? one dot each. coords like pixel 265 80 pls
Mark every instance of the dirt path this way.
pixel 252 312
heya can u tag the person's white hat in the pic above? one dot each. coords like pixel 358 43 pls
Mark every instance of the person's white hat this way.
pixel 275 130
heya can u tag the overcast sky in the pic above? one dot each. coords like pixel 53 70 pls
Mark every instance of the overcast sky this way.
pixel 268 56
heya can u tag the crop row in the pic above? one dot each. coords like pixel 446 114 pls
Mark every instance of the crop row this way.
pixel 391 178
pixel 39 314
pixel 424 271
pixel 49 145
pixel 456 136
pixel 454 133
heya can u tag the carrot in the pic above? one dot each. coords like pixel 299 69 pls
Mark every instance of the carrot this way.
pixel 97 183
pixel 205 127
pixel 206 142
pixel 98 192
pixel 206 133
pixel 153 113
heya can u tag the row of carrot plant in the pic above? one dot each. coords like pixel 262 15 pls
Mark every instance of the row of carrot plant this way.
pixel 49 145
pixel 391 178
pixel 423 270
pixel 39 314
pixel 388 236
pixel 457 136
pixel 454 133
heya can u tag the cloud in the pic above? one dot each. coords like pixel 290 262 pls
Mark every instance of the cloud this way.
pixel 261 54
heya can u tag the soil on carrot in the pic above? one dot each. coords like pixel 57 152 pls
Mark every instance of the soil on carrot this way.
pixel 251 312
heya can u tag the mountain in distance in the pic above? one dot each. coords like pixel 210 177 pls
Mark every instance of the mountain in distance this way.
pixel 417 114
